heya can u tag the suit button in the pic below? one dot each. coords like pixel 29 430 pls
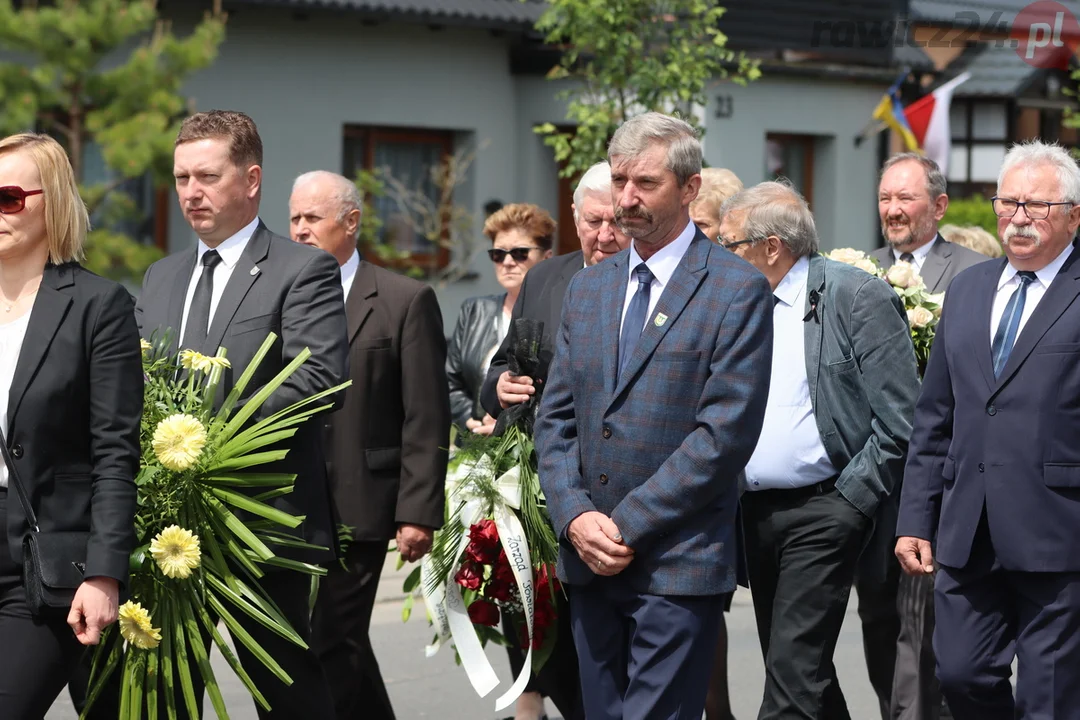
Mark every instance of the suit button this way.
pixel 982 468
pixel 16 451
pixel 603 479
pixel 991 410
pixel 607 433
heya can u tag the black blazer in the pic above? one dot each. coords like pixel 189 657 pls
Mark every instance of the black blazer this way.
pixel 541 298
pixel 293 290
pixel 388 443
pixel 475 336
pixel 74 410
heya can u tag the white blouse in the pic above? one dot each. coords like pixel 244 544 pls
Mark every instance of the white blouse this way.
pixel 11 340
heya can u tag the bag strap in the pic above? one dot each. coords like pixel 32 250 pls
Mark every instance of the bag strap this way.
pixel 13 478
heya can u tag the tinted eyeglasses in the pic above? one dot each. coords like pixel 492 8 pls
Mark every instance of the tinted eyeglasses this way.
pixel 13 198
pixel 520 254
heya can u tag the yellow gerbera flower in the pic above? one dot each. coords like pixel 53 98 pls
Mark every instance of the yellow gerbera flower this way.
pixel 144 345
pixel 136 628
pixel 176 551
pixel 178 441
pixel 197 361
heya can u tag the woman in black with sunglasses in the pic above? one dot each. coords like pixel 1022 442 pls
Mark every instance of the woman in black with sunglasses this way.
pixel 521 236
pixel 70 402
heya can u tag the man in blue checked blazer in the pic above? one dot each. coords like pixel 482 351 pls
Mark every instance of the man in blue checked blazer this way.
pixel 654 404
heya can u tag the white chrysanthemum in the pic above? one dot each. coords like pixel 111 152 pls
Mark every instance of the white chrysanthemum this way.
pixel 176 551
pixel 178 441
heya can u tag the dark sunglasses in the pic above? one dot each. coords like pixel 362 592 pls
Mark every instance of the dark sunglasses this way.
pixel 520 254
pixel 13 198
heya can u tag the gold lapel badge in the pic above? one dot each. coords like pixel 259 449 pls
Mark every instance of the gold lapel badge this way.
pixel 661 318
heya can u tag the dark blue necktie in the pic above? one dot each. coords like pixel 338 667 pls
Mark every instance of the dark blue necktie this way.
pixel 1009 325
pixel 635 315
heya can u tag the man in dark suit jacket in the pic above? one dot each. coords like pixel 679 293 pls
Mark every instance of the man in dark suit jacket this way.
pixel 239 283
pixel 898 614
pixel 387 445
pixel 991 484
pixel 653 406
pixel 841 399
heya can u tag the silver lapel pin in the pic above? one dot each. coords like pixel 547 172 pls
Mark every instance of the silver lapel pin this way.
pixel 255 271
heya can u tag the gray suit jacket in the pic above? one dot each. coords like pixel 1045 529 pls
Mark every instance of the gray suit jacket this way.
pixel 944 262
pixel 294 291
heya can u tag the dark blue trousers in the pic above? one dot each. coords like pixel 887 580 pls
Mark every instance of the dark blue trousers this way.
pixel 986 616
pixel 643 657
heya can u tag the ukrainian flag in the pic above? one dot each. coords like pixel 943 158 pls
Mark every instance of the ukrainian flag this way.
pixel 891 112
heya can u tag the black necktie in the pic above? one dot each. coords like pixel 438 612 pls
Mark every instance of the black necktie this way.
pixel 635 315
pixel 775 300
pixel 198 319
pixel 908 258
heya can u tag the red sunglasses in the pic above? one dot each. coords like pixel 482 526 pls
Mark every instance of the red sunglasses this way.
pixel 13 198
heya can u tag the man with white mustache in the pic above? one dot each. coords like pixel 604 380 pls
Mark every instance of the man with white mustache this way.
pixel 989 504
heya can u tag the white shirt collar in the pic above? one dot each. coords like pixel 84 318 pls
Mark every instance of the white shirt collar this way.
pixel 667 258
pixel 918 253
pixel 791 287
pixel 1045 276
pixel 230 250
pixel 348 271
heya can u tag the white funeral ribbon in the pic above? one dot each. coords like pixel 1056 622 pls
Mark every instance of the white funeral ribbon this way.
pixel 446 605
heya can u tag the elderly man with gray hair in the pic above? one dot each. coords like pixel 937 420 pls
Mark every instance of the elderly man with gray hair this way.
pixel 841 399
pixel 387 468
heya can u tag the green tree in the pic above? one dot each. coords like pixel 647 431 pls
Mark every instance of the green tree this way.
pixel 624 57
pixel 106 72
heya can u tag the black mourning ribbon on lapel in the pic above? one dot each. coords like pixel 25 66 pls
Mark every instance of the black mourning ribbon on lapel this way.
pixel 815 300
pixel 523 358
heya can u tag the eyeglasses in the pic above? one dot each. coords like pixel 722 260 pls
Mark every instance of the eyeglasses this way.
pixel 1034 209
pixel 519 254
pixel 13 198
pixel 731 244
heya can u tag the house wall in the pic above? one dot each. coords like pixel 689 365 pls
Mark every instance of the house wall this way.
pixel 833 113
pixel 303 78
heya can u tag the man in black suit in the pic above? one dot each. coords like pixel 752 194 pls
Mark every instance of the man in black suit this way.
pixel 898 614
pixel 541 298
pixel 543 288
pixel 239 283
pixel 387 446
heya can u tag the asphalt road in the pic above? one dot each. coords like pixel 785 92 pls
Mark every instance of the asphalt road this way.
pixel 436 687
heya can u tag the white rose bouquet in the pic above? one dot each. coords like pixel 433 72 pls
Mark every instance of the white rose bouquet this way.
pixel 923 308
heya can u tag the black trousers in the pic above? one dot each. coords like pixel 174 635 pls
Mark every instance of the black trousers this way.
pixel 880 627
pixel 916 690
pixel 802 549
pixel 559 678
pixel 340 637
pixel 36 655
pixel 309 694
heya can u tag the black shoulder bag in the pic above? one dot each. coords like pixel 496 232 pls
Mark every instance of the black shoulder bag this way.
pixel 53 562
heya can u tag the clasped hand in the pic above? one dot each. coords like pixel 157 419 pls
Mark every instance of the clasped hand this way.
pixel 599 543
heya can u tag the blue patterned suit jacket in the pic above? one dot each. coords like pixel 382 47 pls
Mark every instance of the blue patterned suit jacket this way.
pixel 661 450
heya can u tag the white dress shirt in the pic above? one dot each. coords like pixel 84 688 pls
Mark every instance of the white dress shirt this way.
pixel 11 340
pixel 662 265
pixel 230 252
pixel 918 254
pixel 789 453
pixel 1008 283
pixel 348 273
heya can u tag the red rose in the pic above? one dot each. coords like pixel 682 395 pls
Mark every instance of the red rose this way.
pixel 470 576
pixel 545 576
pixel 483 542
pixel 484 612
pixel 523 636
pixel 543 614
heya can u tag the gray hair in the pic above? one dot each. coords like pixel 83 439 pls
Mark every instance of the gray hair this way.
pixel 935 180
pixel 683 146
pixel 1037 152
pixel 775 208
pixel 596 180
pixel 343 192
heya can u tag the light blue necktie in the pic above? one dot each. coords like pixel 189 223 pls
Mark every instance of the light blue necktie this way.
pixel 635 315
pixel 1009 325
